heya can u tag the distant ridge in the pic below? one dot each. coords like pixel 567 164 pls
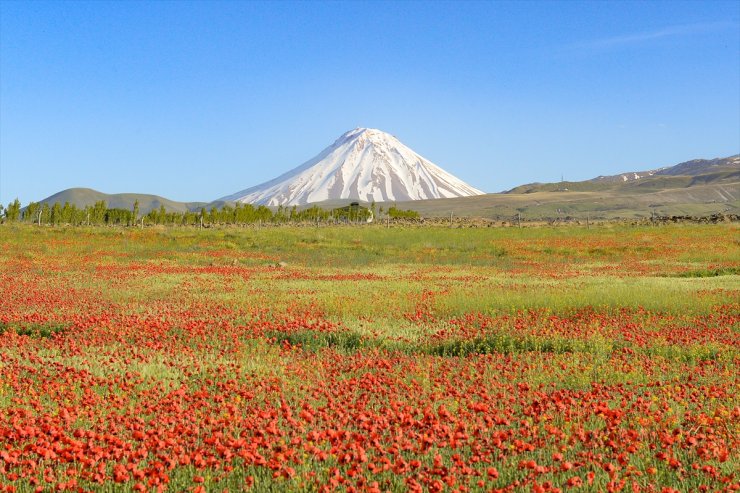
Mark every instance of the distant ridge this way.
pixel 703 166
pixel 82 197
pixel 695 172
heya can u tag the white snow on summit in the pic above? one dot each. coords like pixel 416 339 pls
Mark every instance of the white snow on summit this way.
pixel 363 164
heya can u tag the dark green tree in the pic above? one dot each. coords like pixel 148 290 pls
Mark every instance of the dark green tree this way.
pixel 97 212
pixel 68 213
pixel 13 211
pixel 31 212
pixel 45 214
pixel 396 213
pixel 56 213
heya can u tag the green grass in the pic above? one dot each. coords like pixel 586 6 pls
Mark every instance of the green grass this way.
pixel 33 330
pixel 723 271
pixel 497 342
pixel 676 269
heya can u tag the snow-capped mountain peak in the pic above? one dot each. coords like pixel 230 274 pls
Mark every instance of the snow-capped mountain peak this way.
pixel 362 164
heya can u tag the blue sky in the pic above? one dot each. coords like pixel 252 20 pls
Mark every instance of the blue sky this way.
pixel 197 100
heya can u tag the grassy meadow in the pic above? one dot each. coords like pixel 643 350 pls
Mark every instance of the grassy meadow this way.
pixel 370 358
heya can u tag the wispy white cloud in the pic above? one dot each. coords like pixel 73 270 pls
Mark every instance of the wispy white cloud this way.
pixel 635 39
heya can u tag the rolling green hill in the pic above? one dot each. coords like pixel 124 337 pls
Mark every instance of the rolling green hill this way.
pixel 83 197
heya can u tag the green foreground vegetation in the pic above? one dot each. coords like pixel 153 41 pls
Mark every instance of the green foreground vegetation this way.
pixel 236 214
pixel 166 328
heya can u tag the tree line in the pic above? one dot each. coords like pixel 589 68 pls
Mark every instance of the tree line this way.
pixel 99 214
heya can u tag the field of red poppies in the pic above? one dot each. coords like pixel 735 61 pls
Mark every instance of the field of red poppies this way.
pixel 370 359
